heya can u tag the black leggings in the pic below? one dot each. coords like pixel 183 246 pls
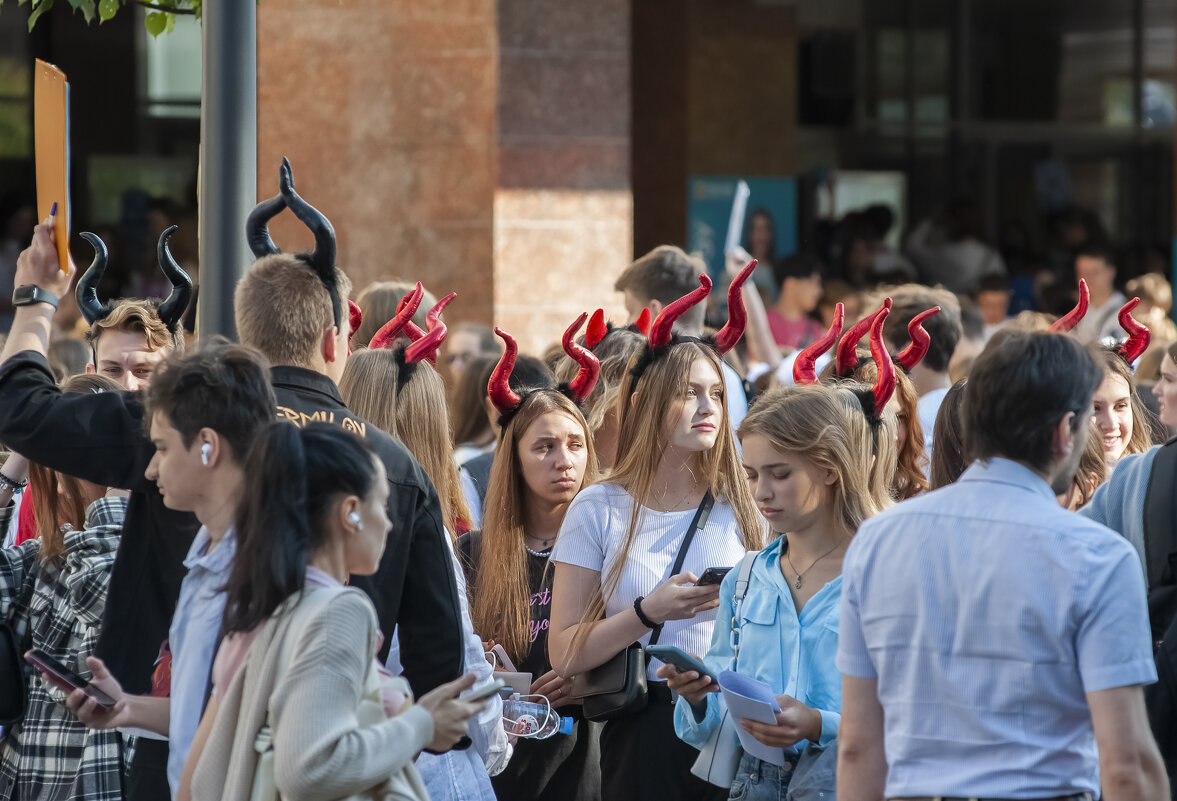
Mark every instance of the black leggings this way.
pixel 642 758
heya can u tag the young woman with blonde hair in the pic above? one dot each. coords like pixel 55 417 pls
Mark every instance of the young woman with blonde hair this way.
pixel 544 458
pixel 807 452
pixel 615 584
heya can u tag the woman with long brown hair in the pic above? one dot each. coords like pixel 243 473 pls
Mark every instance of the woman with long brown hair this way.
pixel 544 458
pixel 54 587
pixel 677 463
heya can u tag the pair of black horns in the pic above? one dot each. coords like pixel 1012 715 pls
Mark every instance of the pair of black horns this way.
pixel 171 310
pixel 322 258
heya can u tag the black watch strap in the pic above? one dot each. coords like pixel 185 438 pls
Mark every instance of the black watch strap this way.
pixel 28 294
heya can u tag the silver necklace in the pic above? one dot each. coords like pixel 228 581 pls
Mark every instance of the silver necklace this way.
pixel 797 583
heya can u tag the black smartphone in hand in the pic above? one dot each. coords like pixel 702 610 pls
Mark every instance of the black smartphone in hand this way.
pixel 712 575
pixel 43 661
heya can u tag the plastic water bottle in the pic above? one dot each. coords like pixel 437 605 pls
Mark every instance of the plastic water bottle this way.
pixel 537 721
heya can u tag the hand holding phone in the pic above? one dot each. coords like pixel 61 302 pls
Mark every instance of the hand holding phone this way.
pixel 66 679
pixel 712 575
pixel 486 692
pixel 682 661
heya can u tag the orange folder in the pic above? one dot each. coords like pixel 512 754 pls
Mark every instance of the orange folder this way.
pixel 51 136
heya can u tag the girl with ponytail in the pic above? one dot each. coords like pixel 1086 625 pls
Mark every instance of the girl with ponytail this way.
pixel 298 658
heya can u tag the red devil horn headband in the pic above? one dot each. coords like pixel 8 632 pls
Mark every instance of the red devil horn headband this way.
pixel 427 346
pixel 1072 318
pixel 660 333
pixel 1138 333
pixel 847 358
pixel 910 356
pixel 597 329
pixel 405 311
pixel 737 315
pixel 642 324
pixel 805 365
pixel 885 383
pixel 498 388
pixel 580 387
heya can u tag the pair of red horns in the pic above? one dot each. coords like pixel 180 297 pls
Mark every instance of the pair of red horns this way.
pixel 805 369
pixel 805 365
pixel 424 345
pixel 598 329
pixel 727 337
pixel 506 400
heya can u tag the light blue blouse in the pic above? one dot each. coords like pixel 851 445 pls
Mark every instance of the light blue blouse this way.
pixel 794 654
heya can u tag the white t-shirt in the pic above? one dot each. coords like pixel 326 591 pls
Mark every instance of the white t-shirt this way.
pixel 594 531
pixel 928 407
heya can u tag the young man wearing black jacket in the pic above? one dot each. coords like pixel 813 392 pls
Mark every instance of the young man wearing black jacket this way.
pixel 101 438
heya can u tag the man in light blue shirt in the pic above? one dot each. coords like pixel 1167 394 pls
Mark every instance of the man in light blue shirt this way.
pixel 992 644
pixel 205 409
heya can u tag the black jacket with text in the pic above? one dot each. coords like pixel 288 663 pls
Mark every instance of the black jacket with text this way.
pixel 102 438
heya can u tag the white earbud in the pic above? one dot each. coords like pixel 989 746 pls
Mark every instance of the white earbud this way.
pixel 354 519
pixel 205 450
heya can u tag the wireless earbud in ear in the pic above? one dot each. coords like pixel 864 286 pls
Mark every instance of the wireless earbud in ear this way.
pixel 354 519
pixel 205 450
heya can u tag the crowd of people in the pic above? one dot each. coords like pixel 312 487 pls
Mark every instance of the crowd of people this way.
pixel 939 537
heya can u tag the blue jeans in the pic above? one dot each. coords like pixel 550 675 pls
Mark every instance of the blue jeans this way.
pixel 455 776
pixel 757 780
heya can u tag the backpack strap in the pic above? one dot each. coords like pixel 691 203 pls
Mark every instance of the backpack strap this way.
pixel 743 579
pixel 1160 516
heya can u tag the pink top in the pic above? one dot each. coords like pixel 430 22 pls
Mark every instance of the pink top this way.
pixel 234 648
pixel 793 333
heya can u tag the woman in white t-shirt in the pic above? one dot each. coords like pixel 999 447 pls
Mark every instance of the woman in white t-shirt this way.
pixel 619 541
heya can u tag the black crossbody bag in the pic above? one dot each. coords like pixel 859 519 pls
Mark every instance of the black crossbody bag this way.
pixel 618 687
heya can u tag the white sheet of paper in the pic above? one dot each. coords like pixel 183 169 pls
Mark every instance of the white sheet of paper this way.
pixel 735 223
pixel 751 699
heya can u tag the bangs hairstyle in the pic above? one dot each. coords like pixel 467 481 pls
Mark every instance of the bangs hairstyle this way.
pixel 136 317
pixel 1113 364
pixel 282 308
pixel 500 606
pixel 813 422
pixel 282 522
pixel 911 461
pixel 51 507
pixel 371 386
pixel 221 386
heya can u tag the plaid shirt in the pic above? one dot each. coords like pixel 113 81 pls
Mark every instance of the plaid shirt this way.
pixel 49 755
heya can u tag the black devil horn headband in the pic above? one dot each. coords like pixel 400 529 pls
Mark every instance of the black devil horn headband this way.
pixel 170 311
pixel 321 259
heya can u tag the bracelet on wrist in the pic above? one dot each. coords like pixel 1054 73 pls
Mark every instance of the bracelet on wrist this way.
pixel 637 607
pixel 15 487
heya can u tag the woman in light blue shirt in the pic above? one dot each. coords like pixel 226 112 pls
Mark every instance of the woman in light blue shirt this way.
pixel 807 452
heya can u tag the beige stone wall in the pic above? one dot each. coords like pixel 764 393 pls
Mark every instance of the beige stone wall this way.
pixel 480 147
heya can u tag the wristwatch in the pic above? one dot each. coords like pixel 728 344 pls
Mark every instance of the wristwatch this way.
pixel 28 294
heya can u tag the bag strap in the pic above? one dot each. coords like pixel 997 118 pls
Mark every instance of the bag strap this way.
pixel 743 579
pixel 702 514
pixel 1160 514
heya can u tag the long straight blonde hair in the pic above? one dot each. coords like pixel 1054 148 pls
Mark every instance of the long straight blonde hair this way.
pixel 500 595
pixel 642 408
pixel 826 426
pixel 413 411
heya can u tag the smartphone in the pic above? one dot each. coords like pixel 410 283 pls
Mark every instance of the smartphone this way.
pixel 712 575
pixel 486 692
pixel 42 661
pixel 681 660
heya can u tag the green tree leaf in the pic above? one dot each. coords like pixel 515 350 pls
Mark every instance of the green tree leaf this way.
pixel 107 9
pixel 86 7
pixel 39 8
pixel 156 22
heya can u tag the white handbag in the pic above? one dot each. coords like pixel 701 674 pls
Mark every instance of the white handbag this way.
pixel 404 785
pixel 719 758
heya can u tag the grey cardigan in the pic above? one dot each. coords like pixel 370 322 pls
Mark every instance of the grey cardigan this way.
pixel 320 751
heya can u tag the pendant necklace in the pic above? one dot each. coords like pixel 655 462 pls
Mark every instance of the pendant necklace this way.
pixel 797 583
pixel 544 554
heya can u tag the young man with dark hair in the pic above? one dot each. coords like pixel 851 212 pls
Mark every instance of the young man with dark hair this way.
pixel 658 279
pixel 1096 265
pixel 204 411
pixel 930 376
pixel 1010 665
